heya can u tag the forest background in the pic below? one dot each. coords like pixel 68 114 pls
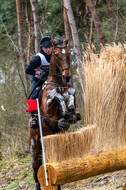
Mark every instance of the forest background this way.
pixel 22 24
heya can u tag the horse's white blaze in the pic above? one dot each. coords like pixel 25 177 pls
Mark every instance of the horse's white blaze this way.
pixel 63 51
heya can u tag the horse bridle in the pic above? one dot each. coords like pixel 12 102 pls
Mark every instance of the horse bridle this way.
pixel 60 69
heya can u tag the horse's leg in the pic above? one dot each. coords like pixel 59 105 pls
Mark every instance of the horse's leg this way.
pixel 71 100
pixel 59 187
pixel 35 150
pixel 60 99
pixel 62 106
pixel 53 96
pixel 74 116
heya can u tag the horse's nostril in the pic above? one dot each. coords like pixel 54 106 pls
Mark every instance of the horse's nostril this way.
pixel 66 78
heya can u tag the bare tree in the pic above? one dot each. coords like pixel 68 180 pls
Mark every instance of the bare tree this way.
pixel 20 41
pixel 28 20
pixel 77 48
pixel 20 35
pixel 66 22
pixel 36 24
pixel 96 21
pixel 67 31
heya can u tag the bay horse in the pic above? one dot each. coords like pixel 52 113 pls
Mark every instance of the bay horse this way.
pixel 57 105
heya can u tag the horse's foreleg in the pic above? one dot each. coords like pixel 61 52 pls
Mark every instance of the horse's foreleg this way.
pixel 36 160
pixel 74 116
pixel 62 106
pixel 71 100
pixel 60 99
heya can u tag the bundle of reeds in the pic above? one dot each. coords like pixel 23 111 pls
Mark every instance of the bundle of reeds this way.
pixel 70 145
pixel 105 89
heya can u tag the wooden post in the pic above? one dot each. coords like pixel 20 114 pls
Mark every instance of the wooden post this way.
pixel 81 168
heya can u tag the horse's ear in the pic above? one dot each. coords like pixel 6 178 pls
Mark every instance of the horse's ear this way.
pixel 66 41
pixel 53 42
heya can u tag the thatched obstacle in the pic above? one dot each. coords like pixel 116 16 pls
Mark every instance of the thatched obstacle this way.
pixel 105 87
pixel 72 157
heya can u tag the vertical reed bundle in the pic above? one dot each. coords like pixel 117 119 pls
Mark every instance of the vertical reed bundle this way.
pixel 105 88
pixel 105 108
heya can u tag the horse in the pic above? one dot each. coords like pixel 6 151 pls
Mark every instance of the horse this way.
pixel 57 103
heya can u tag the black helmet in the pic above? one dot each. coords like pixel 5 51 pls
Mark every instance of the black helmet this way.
pixel 45 41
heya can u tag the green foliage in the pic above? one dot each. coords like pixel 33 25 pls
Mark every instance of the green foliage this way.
pixel 12 185
pixel 15 171
pixel 51 14
pixel 8 14
pixel 29 180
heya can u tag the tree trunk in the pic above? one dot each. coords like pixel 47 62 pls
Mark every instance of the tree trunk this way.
pixel 20 35
pixel 91 25
pixel 36 24
pixel 20 41
pixel 28 20
pixel 66 22
pixel 67 33
pixel 96 21
pixel 76 42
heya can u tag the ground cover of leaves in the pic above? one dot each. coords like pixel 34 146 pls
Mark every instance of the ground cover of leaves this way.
pixel 16 174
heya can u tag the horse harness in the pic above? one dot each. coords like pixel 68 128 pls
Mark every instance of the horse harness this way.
pixel 60 69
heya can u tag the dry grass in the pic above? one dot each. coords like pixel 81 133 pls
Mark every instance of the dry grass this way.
pixel 69 145
pixel 105 88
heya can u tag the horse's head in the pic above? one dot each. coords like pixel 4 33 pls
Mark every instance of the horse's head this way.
pixel 62 59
